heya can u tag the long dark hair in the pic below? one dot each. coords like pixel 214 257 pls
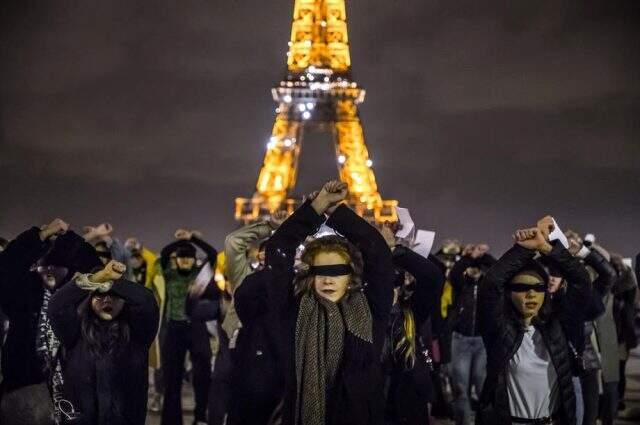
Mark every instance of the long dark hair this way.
pixel 103 338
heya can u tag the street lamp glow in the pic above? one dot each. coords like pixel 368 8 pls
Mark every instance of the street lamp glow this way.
pixel 302 107
pixel 287 98
pixel 306 115
pixel 310 105
pixel 369 163
pixel 342 159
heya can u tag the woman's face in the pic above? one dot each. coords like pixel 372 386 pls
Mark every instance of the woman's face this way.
pixel 331 288
pixel 528 301
pixel 106 306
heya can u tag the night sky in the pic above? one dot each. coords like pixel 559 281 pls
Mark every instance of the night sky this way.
pixel 480 116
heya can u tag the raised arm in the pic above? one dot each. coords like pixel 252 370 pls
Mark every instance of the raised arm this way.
pixel 209 251
pixel 429 281
pixel 165 254
pixel 142 310
pixel 63 312
pixel 378 265
pixel 236 246
pixel 606 273
pixel 281 251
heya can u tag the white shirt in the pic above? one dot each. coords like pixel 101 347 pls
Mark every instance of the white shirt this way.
pixel 532 382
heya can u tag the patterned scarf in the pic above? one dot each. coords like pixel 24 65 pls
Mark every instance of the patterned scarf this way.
pixel 319 344
pixel 47 348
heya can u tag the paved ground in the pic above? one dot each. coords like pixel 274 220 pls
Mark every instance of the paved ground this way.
pixel 630 416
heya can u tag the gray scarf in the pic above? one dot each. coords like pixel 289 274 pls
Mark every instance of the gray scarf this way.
pixel 320 333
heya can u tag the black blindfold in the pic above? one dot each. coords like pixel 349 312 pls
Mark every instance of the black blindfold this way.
pixel 525 287
pixel 331 270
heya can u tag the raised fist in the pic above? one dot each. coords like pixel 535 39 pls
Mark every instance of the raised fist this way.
pixel 546 225
pixel 99 232
pixel 55 228
pixel 533 239
pixel 133 244
pixel 277 219
pixel 183 234
pixel 113 270
pixel 332 193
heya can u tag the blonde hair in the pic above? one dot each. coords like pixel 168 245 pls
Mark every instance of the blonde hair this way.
pixel 406 346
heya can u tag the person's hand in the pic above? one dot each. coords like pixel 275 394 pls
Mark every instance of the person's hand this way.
pixel 183 235
pixel 55 228
pixel 99 232
pixel 112 271
pixel 479 250
pixel 386 230
pixel 483 248
pixel 132 244
pixel 546 225
pixel 277 219
pixel 337 192
pixel 311 196
pixel 533 239
pixel 468 249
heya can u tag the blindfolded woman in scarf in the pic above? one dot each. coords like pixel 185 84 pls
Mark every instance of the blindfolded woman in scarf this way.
pixel 328 322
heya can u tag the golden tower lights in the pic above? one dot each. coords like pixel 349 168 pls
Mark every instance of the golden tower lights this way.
pixel 317 91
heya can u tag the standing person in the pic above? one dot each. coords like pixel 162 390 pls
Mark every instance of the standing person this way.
pixel 528 360
pixel 624 291
pixel 106 325
pixel 329 321
pixel 33 266
pixel 418 284
pixel 468 355
pixel 226 382
pixel 181 334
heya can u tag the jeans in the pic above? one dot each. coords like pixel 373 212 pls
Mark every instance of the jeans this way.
pixel 609 403
pixel 577 389
pixel 468 364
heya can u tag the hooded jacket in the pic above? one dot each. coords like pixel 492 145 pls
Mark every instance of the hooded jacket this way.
pixel 503 333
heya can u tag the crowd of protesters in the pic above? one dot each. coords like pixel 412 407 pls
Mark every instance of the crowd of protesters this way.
pixel 313 318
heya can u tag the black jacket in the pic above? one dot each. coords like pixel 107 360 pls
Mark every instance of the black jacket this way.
pixel 21 294
pixel 197 328
pixel 502 333
pixel 357 396
pixel 409 389
pixel 255 377
pixel 464 314
pixel 108 389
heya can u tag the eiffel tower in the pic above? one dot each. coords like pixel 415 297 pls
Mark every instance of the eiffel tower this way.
pixel 317 91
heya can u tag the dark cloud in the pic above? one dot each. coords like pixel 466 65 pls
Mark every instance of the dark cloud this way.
pixel 480 116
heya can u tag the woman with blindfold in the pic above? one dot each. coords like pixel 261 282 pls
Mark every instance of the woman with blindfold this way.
pixel 328 322
pixel 529 364
pixel 106 325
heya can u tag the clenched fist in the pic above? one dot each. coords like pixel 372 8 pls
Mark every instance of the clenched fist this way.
pixel 112 271
pixel 55 228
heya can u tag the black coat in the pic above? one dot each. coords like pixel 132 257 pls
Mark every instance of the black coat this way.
pixel 464 314
pixel 502 333
pixel 255 377
pixel 108 389
pixel 409 389
pixel 21 295
pixel 357 396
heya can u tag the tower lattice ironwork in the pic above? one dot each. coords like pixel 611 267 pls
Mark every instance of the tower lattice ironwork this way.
pixel 317 91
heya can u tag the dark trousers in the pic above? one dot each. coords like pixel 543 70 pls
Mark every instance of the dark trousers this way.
pixel 590 395
pixel 179 340
pixel 609 403
pixel 622 383
pixel 220 391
